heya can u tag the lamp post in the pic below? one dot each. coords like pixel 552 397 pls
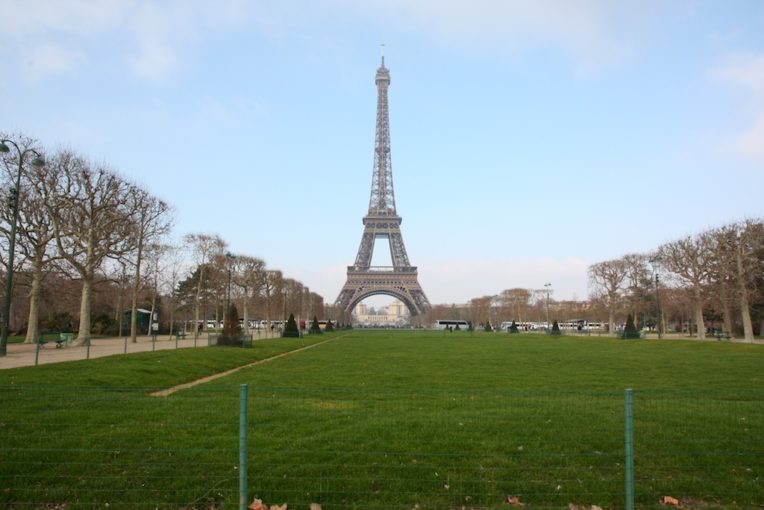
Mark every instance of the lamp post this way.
pixel 547 285
pixel 14 203
pixel 655 262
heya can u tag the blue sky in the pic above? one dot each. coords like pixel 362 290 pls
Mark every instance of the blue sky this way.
pixel 529 138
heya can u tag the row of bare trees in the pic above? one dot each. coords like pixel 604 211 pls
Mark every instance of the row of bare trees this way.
pixel 712 279
pixel 218 276
pixel 84 228
pixel 75 218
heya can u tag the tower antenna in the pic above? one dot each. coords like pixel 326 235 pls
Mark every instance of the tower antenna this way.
pixel 382 52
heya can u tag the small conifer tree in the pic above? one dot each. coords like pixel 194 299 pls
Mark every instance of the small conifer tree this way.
pixel 513 328
pixel 555 329
pixel 329 326
pixel 315 329
pixel 630 330
pixel 290 330
pixel 231 334
pixel 488 327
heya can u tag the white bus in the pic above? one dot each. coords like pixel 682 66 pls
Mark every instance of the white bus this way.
pixel 451 323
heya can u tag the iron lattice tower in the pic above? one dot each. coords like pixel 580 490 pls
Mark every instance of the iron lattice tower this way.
pixel 382 222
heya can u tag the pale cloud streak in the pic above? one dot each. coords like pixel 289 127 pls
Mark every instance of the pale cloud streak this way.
pixel 746 72
pixel 151 38
pixel 593 33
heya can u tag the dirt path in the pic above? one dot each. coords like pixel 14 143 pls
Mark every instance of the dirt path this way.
pixel 203 380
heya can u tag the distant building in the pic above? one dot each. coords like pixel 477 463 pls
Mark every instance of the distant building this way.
pixel 394 315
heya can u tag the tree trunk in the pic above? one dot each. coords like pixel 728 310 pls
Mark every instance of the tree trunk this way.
pixel 151 317
pixel 725 305
pixel 136 288
pixel 701 324
pixel 197 300
pixel 33 324
pixel 83 333
pixel 745 310
pixel 244 313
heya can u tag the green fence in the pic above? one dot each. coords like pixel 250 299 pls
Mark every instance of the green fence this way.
pixel 221 447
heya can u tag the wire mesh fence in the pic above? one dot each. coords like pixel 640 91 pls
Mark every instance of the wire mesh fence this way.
pixel 64 447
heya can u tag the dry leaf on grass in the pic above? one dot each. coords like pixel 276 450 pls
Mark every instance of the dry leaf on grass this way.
pixel 277 507
pixel 514 501
pixel 257 504
pixel 315 506
pixel 668 500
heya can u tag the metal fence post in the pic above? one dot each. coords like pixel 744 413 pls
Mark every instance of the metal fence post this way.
pixel 37 351
pixel 629 450
pixel 87 352
pixel 243 447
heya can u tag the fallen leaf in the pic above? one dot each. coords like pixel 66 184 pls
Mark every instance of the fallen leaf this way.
pixel 277 507
pixel 257 504
pixel 668 500
pixel 315 506
pixel 514 501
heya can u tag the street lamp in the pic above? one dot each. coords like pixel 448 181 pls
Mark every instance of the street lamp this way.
pixel 37 162
pixel 656 263
pixel 547 285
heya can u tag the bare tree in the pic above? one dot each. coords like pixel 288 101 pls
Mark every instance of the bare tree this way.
pixel 89 212
pixel 34 236
pixel 249 276
pixel 740 245
pixel 689 259
pixel 151 220
pixel 480 310
pixel 169 269
pixel 722 273
pixel 606 281
pixel 514 304
pixel 272 288
pixel 204 249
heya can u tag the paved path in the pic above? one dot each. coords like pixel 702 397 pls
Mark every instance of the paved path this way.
pixel 23 355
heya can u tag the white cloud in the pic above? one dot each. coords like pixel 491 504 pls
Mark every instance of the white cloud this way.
pixel 746 71
pixel 154 37
pixel 593 33
pixel 751 142
pixel 49 59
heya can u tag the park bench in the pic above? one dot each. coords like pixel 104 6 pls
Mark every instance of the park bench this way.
pixel 64 339
pixel 722 335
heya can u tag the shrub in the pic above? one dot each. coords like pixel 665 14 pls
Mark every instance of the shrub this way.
pixel 329 326
pixel 291 330
pixel 58 321
pixel 513 328
pixel 630 330
pixel 555 329
pixel 104 324
pixel 488 326
pixel 231 329
pixel 315 329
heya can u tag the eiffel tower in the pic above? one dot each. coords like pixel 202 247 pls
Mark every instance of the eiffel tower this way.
pixel 382 222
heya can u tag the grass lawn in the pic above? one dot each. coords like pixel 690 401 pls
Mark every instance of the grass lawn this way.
pixel 397 419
